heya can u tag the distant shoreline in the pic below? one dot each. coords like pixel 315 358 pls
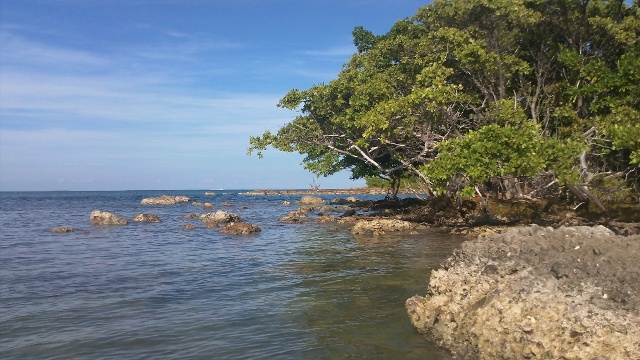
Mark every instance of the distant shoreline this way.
pixel 349 191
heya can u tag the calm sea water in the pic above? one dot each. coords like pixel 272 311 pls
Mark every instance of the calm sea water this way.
pixel 156 291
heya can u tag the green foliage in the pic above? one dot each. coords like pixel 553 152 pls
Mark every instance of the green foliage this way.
pixel 499 151
pixel 611 188
pixel 470 90
pixel 377 182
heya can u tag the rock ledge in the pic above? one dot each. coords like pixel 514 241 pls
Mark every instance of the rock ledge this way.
pixel 534 292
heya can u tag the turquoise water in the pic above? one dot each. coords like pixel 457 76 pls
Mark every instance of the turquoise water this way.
pixel 141 291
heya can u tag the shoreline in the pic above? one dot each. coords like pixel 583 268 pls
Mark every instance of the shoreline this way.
pixel 535 279
pixel 346 191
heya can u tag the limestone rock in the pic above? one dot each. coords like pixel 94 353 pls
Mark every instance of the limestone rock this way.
pixel 535 292
pixel 380 226
pixel 151 218
pixel 220 216
pixel 240 228
pixel 165 200
pixel 106 218
pixel 311 200
pixel 294 217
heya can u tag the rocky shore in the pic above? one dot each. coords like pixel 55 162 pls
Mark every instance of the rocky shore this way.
pixel 566 288
pixel 536 293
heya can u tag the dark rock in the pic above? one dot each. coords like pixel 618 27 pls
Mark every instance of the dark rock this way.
pixel 350 212
pixel 311 200
pixel 62 229
pixel 240 228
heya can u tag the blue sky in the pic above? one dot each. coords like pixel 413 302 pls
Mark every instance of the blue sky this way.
pixel 164 94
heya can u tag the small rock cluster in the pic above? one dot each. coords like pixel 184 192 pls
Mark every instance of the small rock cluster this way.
pixel 231 223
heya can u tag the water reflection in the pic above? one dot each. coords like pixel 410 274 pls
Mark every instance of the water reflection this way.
pixel 355 288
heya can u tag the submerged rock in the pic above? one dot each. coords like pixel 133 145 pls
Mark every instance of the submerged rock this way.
pixel 152 218
pixel 106 218
pixel 62 229
pixel 240 228
pixel 535 292
pixel 165 200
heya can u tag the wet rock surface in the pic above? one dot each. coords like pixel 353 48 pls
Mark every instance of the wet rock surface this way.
pixel 240 228
pixel 98 217
pixel 150 218
pixel 311 200
pixel 62 229
pixel 381 226
pixel 165 200
pixel 536 292
pixel 219 217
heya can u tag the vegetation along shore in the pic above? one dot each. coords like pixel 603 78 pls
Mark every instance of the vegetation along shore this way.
pixel 498 113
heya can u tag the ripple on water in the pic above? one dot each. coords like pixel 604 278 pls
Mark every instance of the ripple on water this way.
pixel 157 291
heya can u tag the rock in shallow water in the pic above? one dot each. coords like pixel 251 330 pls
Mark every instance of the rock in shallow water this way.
pixel 381 226
pixel 240 228
pixel 106 218
pixel 219 217
pixel 62 229
pixel 536 292
pixel 165 200
pixel 152 218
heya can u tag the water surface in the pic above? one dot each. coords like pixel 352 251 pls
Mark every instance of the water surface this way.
pixel 309 291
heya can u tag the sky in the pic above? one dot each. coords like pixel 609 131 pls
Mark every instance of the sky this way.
pixel 164 94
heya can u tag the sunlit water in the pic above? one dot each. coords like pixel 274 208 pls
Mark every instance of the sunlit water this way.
pixel 144 291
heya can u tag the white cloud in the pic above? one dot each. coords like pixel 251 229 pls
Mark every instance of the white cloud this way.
pixel 85 119
pixel 19 50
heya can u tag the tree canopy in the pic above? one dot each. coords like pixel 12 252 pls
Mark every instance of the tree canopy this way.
pixel 467 93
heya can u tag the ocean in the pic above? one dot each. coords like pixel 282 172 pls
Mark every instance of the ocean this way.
pixel 157 291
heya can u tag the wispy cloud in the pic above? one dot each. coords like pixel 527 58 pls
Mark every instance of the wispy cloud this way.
pixel 19 50
pixel 90 117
